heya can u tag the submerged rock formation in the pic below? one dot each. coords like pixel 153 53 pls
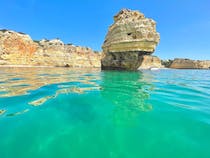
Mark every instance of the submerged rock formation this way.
pixel 19 49
pixel 131 36
pixel 149 61
pixel 190 64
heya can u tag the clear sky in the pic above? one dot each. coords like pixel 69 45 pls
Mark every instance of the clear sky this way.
pixel 184 25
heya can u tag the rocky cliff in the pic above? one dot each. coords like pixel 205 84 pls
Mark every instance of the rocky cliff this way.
pixel 131 36
pixel 16 48
pixel 19 49
pixel 149 61
pixel 190 64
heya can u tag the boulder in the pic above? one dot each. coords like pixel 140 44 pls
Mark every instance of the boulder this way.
pixel 131 36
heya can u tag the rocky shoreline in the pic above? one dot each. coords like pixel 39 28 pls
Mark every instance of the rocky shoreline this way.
pixel 128 45
pixel 19 49
pixel 189 64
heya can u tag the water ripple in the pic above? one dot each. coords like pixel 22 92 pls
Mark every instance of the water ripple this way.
pixel 142 91
pixel 188 89
pixel 104 113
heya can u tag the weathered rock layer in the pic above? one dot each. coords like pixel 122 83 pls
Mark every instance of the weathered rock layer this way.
pixel 131 36
pixel 19 49
pixel 190 64
pixel 149 61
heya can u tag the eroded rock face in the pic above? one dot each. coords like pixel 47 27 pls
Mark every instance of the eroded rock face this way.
pixel 82 57
pixel 20 49
pixel 131 36
pixel 16 48
pixel 121 61
pixel 149 61
pixel 190 64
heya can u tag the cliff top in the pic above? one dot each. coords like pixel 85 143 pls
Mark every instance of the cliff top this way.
pixel 127 14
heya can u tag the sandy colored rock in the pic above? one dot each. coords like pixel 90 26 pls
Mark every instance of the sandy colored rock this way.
pixel 149 61
pixel 18 113
pixel 190 64
pixel 19 49
pixel 2 112
pixel 16 48
pixel 40 101
pixel 131 36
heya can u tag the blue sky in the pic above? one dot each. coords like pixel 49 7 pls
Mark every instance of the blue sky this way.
pixel 184 25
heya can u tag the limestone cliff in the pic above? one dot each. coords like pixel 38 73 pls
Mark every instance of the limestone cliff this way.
pixel 131 36
pixel 190 64
pixel 149 61
pixel 19 49
pixel 16 48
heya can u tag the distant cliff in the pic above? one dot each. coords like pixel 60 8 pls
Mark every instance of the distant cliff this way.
pixel 179 63
pixel 17 48
pixel 190 64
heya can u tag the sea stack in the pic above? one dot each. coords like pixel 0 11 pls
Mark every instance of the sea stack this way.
pixel 128 39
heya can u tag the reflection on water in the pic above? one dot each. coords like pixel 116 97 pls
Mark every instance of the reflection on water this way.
pixel 127 88
pixel 40 101
pixel 62 91
pixel 19 81
pixel 18 113
pixel 57 112
pixel 128 91
pixel 37 86
pixel 2 112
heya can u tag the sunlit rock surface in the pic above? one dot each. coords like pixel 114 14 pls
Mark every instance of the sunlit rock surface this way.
pixel 190 64
pixel 149 61
pixel 16 48
pixel 19 49
pixel 131 36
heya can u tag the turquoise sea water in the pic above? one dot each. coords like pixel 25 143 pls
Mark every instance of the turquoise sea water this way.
pixel 64 113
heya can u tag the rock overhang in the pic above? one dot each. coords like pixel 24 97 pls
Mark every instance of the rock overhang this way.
pixel 131 31
pixel 129 37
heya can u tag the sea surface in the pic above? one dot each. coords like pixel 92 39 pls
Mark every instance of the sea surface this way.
pixel 65 113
